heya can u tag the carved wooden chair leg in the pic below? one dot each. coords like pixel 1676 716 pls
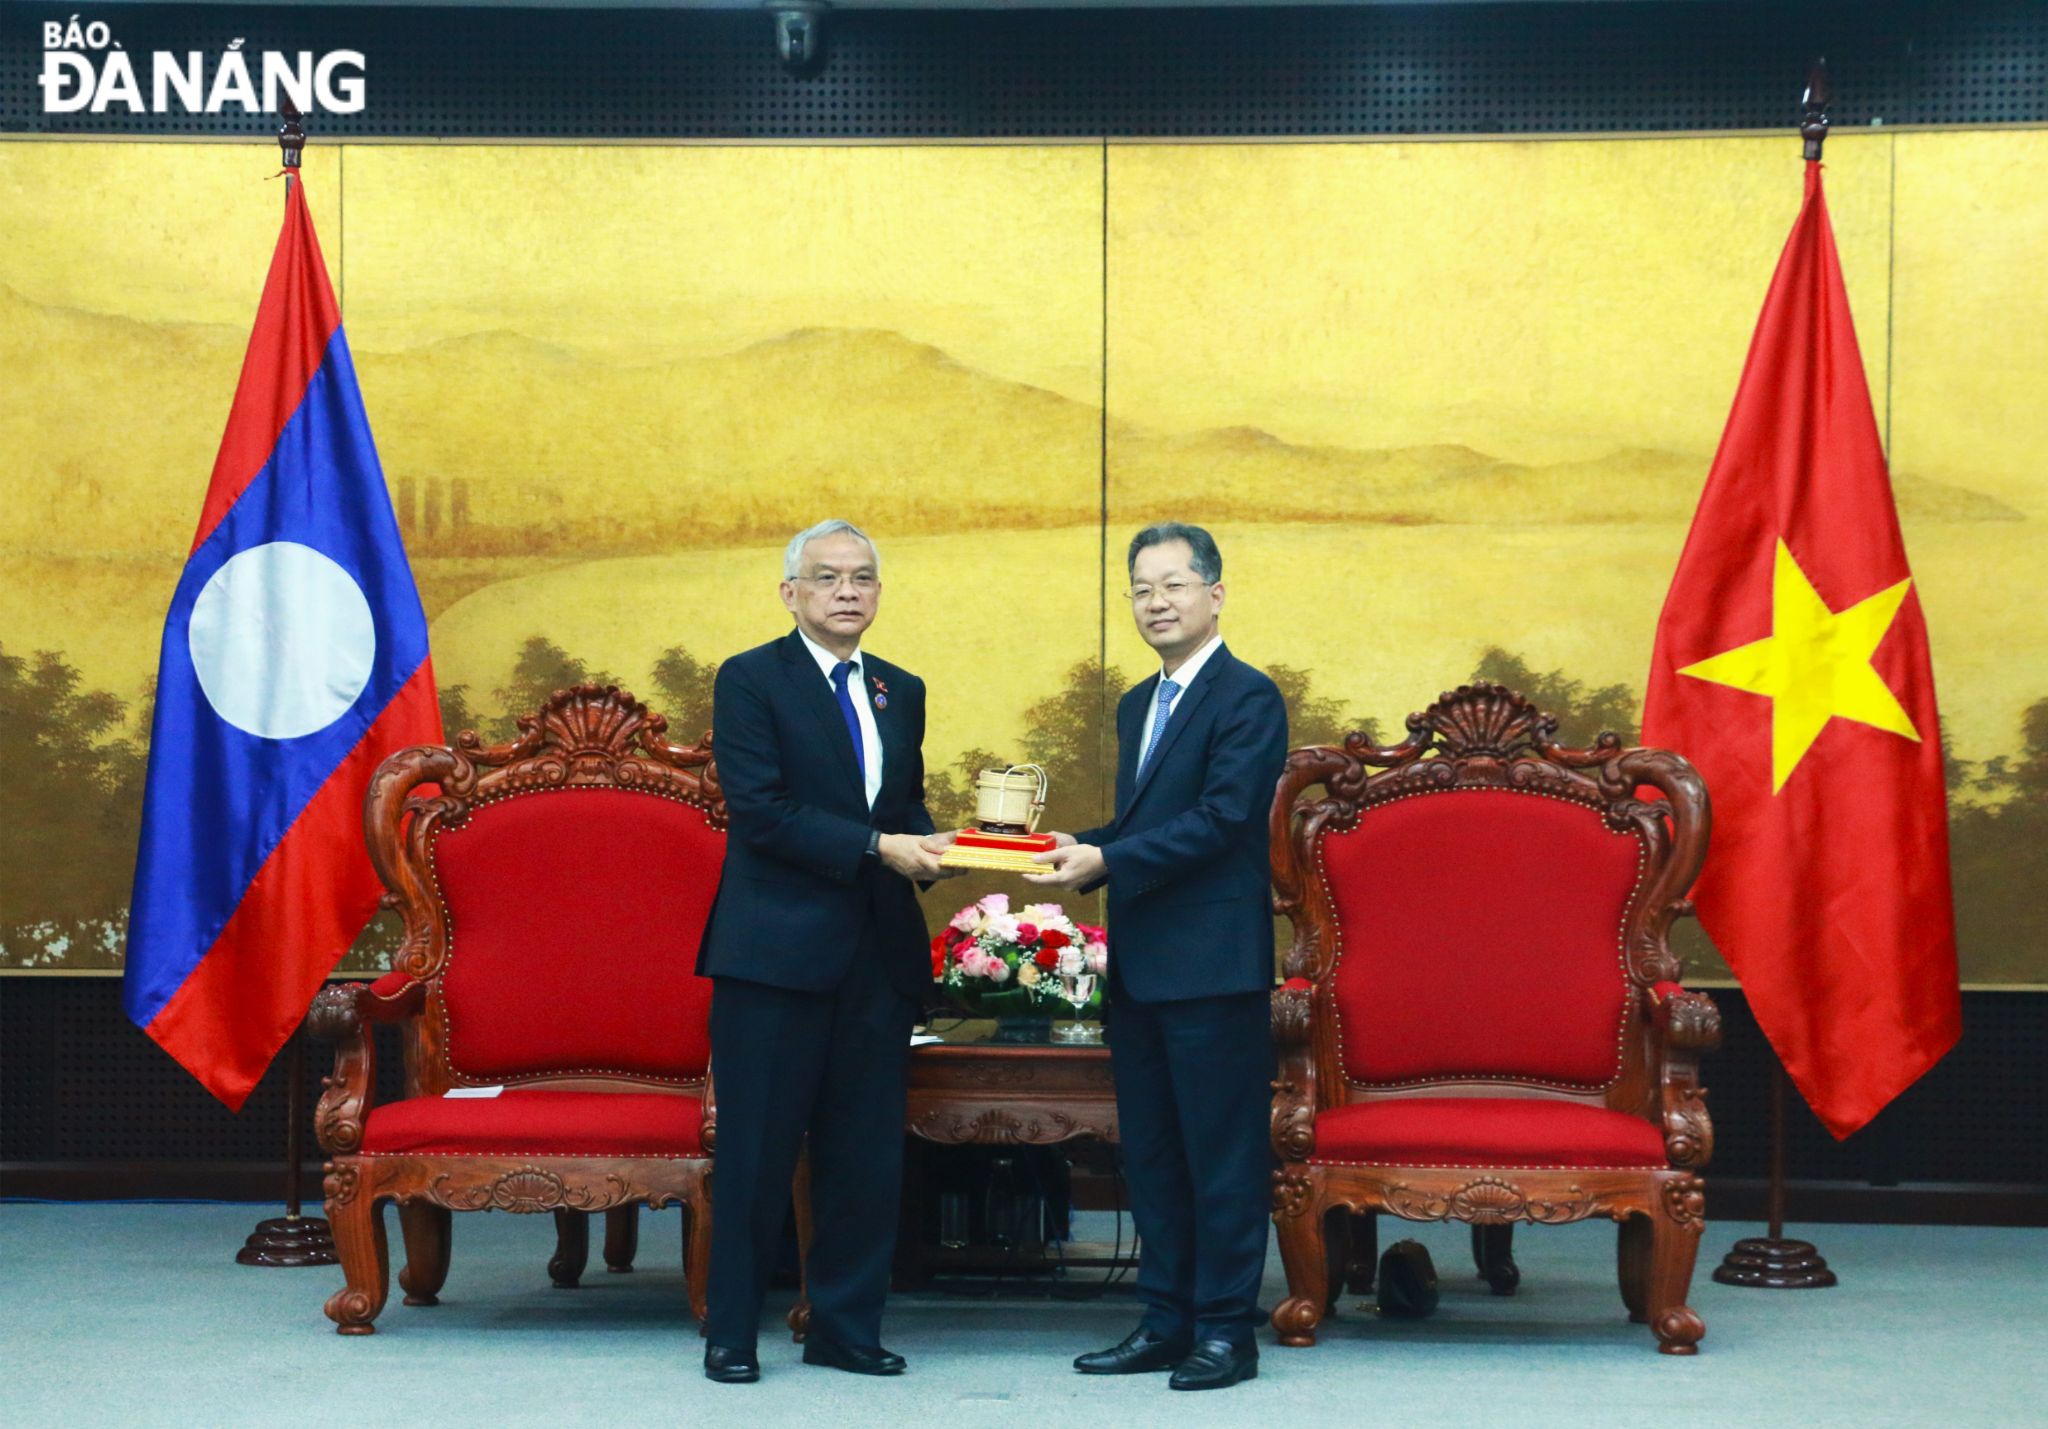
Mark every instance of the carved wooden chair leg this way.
pixel 1363 1259
pixel 799 1318
pixel 1336 1255
pixel 621 1237
pixel 1299 1229
pixel 1674 1246
pixel 1632 1265
pixel 697 1252
pixel 359 1239
pixel 572 1248
pixel 1493 1252
pixel 428 1231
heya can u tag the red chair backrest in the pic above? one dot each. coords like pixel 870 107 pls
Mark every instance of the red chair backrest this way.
pixel 573 918
pixel 1480 904
pixel 1481 936
pixel 554 890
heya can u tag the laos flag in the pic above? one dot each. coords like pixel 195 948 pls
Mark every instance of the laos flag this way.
pixel 294 660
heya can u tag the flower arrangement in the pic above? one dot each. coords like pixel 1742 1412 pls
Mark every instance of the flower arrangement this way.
pixel 1004 964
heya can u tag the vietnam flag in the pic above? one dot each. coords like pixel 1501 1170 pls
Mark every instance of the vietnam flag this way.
pixel 1791 667
pixel 294 660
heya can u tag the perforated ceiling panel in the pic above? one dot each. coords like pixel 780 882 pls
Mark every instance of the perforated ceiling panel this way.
pixel 1381 69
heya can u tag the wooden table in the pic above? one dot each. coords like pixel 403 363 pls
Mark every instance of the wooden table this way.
pixel 971 1091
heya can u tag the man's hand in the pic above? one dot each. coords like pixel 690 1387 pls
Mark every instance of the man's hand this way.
pixel 936 844
pixel 906 854
pixel 1069 866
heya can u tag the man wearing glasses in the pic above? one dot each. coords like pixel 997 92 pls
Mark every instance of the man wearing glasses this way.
pixel 1200 747
pixel 817 953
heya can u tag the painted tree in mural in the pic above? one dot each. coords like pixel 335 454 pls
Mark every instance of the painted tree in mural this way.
pixel 682 691
pixel 74 805
pixel 1583 711
pixel 1998 835
pixel 72 761
pixel 1313 718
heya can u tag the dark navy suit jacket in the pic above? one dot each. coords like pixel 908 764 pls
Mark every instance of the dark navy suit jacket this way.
pixel 1190 900
pixel 799 893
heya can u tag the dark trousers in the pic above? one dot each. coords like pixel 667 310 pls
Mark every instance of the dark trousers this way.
pixel 831 1066
pixel 1193 1100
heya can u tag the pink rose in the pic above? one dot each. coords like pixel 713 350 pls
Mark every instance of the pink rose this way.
pixel 998 970
pixel 1097 955
pixel 995 903
pixel 966 918
pixel 1027 933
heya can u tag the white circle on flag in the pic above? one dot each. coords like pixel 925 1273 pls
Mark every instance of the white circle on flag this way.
pixel 282 640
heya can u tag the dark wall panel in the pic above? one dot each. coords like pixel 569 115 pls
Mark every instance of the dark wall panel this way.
pixel 78 1083
pixel 1382 69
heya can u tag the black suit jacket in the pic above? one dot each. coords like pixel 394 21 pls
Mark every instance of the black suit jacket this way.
pixel 1190 898
pixel 799 893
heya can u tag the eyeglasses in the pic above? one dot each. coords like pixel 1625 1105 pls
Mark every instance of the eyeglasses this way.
pixel 1172 590
pixel 825 583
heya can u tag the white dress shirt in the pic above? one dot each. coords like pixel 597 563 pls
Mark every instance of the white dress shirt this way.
pixel 863 707
pixel 1183 677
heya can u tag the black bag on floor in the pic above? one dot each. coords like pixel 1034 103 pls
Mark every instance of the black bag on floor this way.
pixel 1407 1281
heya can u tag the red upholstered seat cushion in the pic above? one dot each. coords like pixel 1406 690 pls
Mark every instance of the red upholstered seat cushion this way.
pixel 1480 936
pixel 540 1123
pixel 1523 1132
pixel 574 917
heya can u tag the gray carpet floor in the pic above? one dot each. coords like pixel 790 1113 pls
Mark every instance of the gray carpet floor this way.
pixel 137 1314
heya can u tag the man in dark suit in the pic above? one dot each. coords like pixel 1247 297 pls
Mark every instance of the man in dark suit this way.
pixel 1200 747
pixel 818 956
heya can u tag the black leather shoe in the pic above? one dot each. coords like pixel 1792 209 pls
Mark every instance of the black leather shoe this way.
pixel 1216 1364
pixel 853 1361
pixel 1142 1352
pixel 724 1366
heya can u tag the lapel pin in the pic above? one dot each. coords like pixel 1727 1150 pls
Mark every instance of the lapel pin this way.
pixel 881 693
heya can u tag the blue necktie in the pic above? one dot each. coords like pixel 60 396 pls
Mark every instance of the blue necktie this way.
pixel 840 672
pixel 1168 690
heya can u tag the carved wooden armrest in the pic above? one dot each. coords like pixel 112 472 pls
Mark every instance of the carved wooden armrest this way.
pixel 1294 1091
pixel 1686 1023
pixel 343 1014
pixel 341 1010
pixel 1686 1019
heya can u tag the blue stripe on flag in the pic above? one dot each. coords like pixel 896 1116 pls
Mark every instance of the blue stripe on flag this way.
pixel 218 799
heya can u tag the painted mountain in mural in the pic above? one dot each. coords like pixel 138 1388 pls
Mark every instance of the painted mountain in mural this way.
pixel 497 445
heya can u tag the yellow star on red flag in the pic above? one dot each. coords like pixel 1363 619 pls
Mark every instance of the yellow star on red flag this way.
pixel 1814 665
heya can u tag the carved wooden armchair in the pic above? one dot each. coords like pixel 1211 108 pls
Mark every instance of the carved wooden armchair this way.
pixel 553 891
pixel 1482 1019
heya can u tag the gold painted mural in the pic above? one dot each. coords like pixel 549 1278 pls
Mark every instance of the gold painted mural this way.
pixel 1447 407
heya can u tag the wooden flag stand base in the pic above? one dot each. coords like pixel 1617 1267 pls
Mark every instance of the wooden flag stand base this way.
pixel 1773 1262
pixel 292 1239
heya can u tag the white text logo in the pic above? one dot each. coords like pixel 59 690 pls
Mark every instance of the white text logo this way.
pixel 85 68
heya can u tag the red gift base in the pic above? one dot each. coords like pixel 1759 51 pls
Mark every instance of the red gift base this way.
pixel 1009 843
